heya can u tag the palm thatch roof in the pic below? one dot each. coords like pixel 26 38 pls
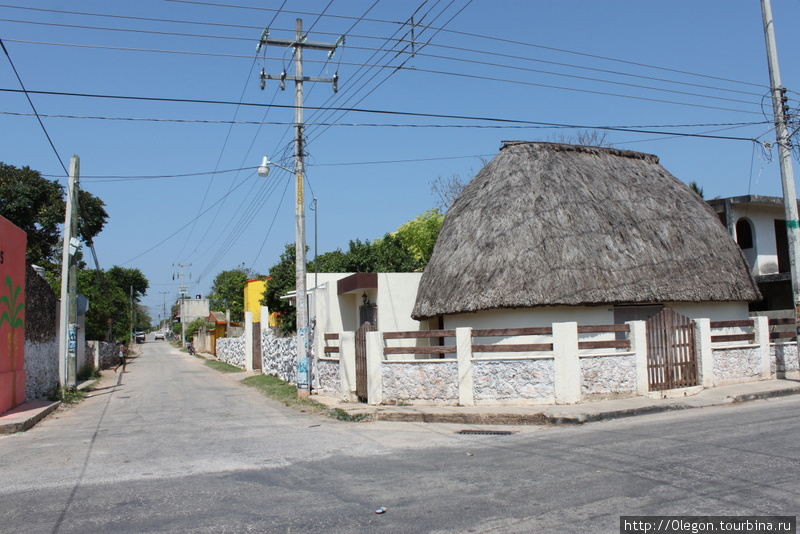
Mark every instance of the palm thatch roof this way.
pixel 547 224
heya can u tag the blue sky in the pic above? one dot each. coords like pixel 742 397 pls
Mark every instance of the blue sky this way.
pixel 179 181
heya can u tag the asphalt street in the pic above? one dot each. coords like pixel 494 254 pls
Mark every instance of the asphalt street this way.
pixel 178 447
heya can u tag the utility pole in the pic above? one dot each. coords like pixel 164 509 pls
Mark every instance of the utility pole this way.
pixel 784 155
pixel 299 43
pixel 182 289
pixel 68 339
pixel 164 309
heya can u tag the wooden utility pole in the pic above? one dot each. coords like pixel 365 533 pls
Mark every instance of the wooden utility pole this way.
pixel 68 339
pixel 299 43
pixel 784 156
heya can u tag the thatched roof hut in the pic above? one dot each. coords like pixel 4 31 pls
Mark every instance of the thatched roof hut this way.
pixel 547 224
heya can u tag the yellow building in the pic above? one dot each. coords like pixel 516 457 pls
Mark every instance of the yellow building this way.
pixel 253 293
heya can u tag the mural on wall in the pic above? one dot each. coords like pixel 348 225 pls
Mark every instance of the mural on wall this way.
pixel 12 315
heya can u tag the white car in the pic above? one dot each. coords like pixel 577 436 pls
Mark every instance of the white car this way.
pixel 158 335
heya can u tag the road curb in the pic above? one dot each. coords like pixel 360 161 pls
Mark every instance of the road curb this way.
pixel 576 418
pixel 765 395
pixel 20 423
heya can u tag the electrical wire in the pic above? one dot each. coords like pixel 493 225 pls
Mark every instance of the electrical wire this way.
pixel 362 110
pixel 28 97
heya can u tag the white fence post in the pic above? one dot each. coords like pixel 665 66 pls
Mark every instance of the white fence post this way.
pixel 638 338
pixel 703 352
pixel 464 356
pixel 761 334
pixel 347 365
pixel 374 359
pixel 248 341
pixel 566 365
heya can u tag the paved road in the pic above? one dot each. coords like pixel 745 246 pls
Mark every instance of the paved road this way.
pixel 177 447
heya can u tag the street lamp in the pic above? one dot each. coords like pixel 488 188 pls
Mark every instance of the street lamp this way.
pixel 303 364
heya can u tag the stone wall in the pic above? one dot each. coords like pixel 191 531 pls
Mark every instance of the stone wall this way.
pixel 737 364
pixel 326 376
pixel 611 374
pixel 232 350
pixel 509 380
pixel 278 355
pixel 41 369
pixel 784 358
pixel 41 337
pixel 435 381
pixel 108 353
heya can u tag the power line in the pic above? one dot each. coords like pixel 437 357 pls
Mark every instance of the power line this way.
pixel 28 97
pixel 392 22
pixel 354 125
pixel 498 39
pixel 360 110
pixel 472 76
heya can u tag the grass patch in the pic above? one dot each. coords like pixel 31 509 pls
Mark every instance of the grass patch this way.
pixel 71 395
pixel 276 389
pixel 223 367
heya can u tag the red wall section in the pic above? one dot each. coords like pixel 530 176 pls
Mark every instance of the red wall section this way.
pixel 13 242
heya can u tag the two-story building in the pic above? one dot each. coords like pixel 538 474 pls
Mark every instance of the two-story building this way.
pixel 758 224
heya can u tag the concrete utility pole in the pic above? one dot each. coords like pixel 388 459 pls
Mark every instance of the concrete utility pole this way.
pixel 182 289
pixel 299 43
pixel 785 156
pixel 164 310
pixel 68 339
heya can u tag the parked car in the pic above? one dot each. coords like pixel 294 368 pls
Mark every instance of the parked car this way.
pixel 140 337
pixel 159 335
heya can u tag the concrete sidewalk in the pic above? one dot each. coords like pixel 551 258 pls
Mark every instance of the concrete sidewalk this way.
pixel 26 415
pixel 572 413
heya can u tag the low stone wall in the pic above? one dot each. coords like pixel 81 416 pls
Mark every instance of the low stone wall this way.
pixel 608 374
pixel 510 380
pixel 736 364
pixel 434 381
pixel 232 350
pixel 326 376
pixel 108 353
pixel 279 356
pixel 41 369
pixel 784 358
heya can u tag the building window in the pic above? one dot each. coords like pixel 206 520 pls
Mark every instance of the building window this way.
pixel 744 234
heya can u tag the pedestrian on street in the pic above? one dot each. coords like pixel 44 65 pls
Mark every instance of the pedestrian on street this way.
pixel 123 357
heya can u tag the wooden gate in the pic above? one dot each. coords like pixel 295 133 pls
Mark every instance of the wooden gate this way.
pixel 671 361
pixel 256 346
pixel 361 360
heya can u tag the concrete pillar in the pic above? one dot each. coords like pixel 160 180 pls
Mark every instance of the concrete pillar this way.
pixel 264 327
pixel 464 356
pixel 374 359
pixel 566 365
pixel 248 341
pixel 761 334
pixel 347 365
pixel 638 337
pixel 703 352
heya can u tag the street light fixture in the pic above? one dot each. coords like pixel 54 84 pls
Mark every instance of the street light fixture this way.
pixel 264 168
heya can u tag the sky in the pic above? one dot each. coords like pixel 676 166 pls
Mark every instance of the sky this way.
pixel 161 101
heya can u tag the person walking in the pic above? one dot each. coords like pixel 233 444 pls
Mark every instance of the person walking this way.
pixel 123 357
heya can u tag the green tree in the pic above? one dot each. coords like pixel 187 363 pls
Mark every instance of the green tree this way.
pixel 194 326
pixel 282 280
pixel 419 235
pixel 697 188
pixel 37 206
pixel 111 309
pixel 227 291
